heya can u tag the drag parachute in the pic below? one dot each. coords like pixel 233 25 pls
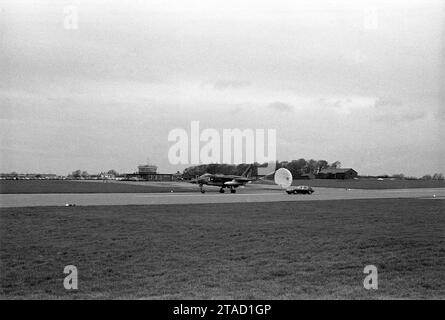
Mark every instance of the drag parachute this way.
pixel 283 178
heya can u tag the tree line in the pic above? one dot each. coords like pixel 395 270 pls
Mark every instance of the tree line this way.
pixel 84 174
pixel 296 167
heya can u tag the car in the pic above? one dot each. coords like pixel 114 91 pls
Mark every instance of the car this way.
pixel 300 189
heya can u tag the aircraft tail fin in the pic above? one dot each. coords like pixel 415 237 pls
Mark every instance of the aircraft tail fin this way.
pixel 248 172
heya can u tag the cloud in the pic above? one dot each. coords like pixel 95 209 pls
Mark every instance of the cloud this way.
pixel 230 84
pixel 382 103
pixel 347 105
pixel 394 111
pixel 130 73
pixel 280 106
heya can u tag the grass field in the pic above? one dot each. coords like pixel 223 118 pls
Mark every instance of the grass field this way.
pixel 279 250
pixel 69 186
pixel 367 183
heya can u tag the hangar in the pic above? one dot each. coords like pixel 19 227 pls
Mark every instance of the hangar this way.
pixel 340 173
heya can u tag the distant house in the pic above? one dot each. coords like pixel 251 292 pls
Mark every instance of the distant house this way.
pixel 341 173
pixel 150 176
pixel 106 176
pixel 177 176
pixel 28 176
pixel 306 176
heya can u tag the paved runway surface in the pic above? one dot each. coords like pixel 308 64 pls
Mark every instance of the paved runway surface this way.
pixel 212 196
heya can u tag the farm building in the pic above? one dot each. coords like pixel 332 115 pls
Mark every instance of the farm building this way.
pixel 343 173
pixel 305 176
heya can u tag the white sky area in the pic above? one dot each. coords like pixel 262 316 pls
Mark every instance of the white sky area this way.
pixel 336 81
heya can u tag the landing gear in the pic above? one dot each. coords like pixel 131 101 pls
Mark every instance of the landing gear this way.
pixel 201 188
pixel 221 190
pixel 232 190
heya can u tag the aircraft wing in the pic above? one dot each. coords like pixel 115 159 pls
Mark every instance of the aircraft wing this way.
pixel 233 183
pixel 237 182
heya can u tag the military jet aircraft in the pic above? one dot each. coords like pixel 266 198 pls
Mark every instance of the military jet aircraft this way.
pixel 224 181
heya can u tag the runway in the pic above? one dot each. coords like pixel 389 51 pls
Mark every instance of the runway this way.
pixel 242 196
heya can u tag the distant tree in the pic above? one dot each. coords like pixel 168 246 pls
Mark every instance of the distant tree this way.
pixel 113 172
pixel 216 168
pixel 84 174
pixel 322 164
pixel 438 176
pixel 311 166
pixel 427 177
pixel 398 176
pixel 195 171
pixel 76 174
pixel 335 165
pixel 296 167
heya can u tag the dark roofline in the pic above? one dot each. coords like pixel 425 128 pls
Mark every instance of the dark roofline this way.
pixel 336 170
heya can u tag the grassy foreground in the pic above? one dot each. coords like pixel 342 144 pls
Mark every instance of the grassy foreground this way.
pixel 280 250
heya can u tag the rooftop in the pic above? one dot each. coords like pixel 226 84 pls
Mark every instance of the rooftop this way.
pixel 336 170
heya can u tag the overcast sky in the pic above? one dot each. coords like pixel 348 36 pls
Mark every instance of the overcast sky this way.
pixel 361 82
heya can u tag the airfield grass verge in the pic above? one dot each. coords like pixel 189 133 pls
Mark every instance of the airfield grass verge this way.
pixel 73 186
pixel 79 186
pixel 365 183
pixel 284 250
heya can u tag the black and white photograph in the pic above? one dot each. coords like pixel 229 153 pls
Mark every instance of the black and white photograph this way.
pixel 222 150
